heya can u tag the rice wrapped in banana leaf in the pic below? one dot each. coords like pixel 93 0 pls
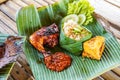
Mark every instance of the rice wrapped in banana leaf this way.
pixel 72 34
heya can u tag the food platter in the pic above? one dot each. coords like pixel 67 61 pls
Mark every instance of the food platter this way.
pixel 81 68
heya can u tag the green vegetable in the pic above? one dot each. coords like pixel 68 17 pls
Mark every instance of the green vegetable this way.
pixel 81 7
pixel 73 17
pixel 82 18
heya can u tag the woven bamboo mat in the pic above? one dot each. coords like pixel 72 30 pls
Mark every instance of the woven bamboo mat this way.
pixel 21 69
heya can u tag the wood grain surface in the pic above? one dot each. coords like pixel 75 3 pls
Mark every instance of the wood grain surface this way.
pixel 107 12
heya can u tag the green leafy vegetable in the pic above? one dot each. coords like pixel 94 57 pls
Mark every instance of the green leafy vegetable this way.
pixel 81 7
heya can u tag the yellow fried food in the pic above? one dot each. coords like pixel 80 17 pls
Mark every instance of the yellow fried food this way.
pixel 94 47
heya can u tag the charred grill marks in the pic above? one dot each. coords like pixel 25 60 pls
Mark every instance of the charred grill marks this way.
pixel 46 31
pixel 49 36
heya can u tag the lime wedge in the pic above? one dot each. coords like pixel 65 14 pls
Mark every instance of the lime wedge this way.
pixel 73 17
pixel 82 19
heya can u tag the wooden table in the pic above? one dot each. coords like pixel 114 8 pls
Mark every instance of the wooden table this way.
pixel 109 9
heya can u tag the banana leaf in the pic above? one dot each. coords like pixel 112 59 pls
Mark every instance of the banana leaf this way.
pixel 30 19
pixel 5 71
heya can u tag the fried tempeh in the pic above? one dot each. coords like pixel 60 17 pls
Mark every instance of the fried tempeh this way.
pixel 94 47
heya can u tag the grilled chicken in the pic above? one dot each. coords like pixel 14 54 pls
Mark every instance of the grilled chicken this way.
pixel 9 50
pixel 45 36
pixel 58 61
pixel 12 47
pixel 48 36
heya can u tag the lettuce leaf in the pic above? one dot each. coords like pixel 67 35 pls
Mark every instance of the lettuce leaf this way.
pixel 81 7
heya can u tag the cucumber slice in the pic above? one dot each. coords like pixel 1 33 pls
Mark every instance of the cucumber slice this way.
pixel 82 19
pixel 73 17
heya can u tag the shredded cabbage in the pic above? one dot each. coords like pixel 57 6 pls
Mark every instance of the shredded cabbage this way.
pixel 81 7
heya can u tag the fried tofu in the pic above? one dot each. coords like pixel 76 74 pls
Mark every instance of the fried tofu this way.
pixel 94 48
